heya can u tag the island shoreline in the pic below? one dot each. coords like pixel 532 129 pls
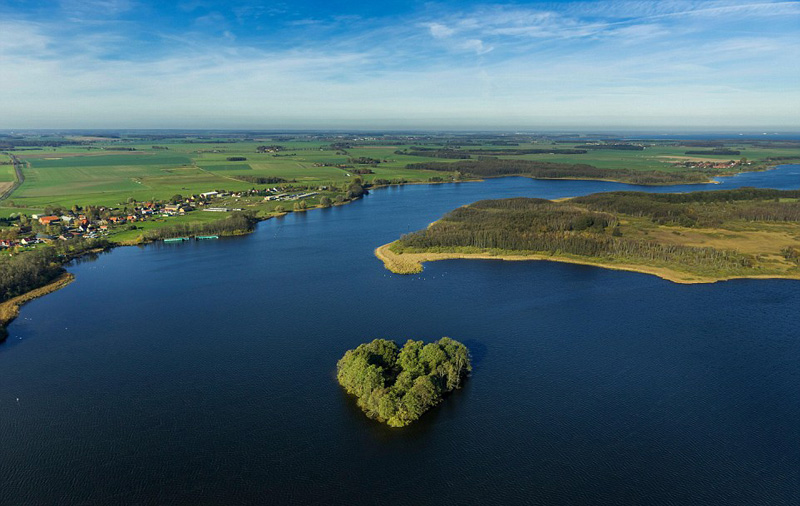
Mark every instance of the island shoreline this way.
pixel 412 263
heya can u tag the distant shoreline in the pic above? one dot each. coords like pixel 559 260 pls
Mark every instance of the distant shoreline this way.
pixel 411 263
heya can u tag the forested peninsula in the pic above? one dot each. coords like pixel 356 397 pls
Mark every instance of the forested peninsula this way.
pixel 397 385
pixel 697 237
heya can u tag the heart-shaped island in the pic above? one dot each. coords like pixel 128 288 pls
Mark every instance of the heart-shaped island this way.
pixel 397 385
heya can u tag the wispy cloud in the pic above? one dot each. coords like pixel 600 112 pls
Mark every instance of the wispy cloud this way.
pixel 96 8
pixel 444 65
pixel 440 31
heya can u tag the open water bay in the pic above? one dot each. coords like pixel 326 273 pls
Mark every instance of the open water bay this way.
pixel 204 373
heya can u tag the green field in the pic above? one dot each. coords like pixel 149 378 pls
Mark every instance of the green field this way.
pixel 655 157
pixel 6 171
pixel 109 172
pixel 64 176
pixel 124 235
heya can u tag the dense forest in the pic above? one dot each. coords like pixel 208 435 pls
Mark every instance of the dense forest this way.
pixel 552 170
pixel 397 385
pixel 590 227
pixel 705 209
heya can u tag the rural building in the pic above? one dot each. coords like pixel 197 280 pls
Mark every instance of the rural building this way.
pixel 47 220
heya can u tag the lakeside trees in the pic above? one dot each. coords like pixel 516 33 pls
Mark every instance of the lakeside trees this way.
pixel 355 190
pixel 492 167
pixel 397 385
pixel 24 272
pixel 236 223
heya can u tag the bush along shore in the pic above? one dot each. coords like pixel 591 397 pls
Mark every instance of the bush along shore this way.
pixel 689 238
pixel 397 385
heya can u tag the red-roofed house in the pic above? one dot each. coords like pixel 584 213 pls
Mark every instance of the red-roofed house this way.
pixel 46 220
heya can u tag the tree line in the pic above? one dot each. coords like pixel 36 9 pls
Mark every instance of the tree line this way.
pixel 26 271
pixel 721 151
pixel 467 153
pixel 235 224
pixel 704 209
pixel 553 170
pixel 261 179
pixel 541 226
pixel 614 147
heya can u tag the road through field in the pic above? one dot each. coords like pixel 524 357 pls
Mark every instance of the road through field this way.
pixel 8 189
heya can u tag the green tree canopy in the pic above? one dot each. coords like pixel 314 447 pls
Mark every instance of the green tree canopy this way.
pixel 396 386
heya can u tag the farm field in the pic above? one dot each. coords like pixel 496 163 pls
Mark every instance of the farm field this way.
pixel 65 176
pixel 103 171
pixel 657 157
pixel 6 170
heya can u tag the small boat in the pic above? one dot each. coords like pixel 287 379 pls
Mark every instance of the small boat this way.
pixel 176 239
pixel 203 237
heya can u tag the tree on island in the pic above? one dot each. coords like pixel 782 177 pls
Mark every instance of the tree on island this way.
pixel 397 385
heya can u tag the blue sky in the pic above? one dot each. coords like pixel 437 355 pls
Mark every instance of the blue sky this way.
pixel 426 65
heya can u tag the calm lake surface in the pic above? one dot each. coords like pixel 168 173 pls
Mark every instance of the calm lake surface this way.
pixel 204 373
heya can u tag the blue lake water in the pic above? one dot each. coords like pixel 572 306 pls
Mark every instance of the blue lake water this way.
pixel 204 373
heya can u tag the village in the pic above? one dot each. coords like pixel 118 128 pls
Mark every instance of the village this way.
pixel 59 224
pixel 711 164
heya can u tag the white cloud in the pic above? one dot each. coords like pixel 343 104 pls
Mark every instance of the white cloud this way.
pixel 476 45
pixel 493 66
pixel 440 31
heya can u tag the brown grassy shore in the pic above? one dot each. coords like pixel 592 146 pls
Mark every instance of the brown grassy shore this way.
pixel 411 263
pixel 9 309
